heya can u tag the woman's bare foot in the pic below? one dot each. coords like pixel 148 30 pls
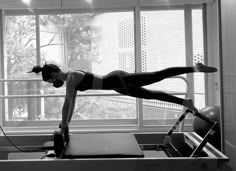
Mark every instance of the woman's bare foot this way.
pixel 199 67
pixel 189 104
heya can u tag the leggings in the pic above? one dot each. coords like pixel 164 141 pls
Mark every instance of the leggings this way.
pixel 131 83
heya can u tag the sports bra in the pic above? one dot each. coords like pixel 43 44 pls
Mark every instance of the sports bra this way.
pixel 86 82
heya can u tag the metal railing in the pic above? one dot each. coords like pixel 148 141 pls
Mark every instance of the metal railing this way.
pixel 81 94
pixel 110 95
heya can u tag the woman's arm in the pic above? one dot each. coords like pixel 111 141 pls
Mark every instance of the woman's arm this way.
pixel 71 107
pixel 69 103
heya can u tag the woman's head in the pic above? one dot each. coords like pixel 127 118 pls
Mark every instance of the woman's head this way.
pixel 47 73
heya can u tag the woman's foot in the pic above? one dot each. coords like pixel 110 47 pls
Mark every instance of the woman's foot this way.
pixel 199 67
pixel 189 104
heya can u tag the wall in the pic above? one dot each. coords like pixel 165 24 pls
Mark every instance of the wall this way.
pixel 1 66
pixel 228 35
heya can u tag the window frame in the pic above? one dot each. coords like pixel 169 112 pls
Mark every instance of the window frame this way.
pixel 134 124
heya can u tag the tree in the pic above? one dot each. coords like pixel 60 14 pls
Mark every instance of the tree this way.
pixel 20 52
pixel 79 37
pixel 20 33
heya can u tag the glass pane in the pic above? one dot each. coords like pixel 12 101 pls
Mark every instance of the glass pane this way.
pixel 20 55
pixel 93 108
pixel 163 45
pixel 97 43
pixel 87 108
pixel 20 45
pixel 198 56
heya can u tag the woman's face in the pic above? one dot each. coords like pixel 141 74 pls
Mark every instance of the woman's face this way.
pixel 51 80
pixel 56 83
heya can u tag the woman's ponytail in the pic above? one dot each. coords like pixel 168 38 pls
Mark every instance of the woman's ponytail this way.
pixel 36 69
pixel 46 70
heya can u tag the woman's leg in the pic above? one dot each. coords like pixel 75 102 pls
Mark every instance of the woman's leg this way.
pixel 121 79
pixel 157 95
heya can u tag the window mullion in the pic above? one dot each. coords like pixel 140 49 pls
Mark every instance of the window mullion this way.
pixel 189 46
pixel 2 103
pixel 188 51
pixel 37 39
pixel 138 60
pixel 38 58
pixel 208 85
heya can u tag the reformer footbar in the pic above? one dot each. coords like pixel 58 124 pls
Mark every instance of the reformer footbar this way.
pixel 168 139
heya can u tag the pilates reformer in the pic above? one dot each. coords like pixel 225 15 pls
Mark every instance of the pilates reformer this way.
pixel 171 151
pixel 108 145
pixel 197 151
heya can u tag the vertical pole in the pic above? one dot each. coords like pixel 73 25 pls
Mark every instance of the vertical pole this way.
pixel 222 131
pixel 38 101
pixel 2 101
pixel 208 84
pixel 189 53
pixel 138 59
pixel 189 45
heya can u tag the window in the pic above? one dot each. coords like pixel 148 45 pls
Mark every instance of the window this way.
pixel 97 42
pixel 198 56
pixel 163 45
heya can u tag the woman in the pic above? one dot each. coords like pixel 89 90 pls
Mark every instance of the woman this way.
pixel 130 84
